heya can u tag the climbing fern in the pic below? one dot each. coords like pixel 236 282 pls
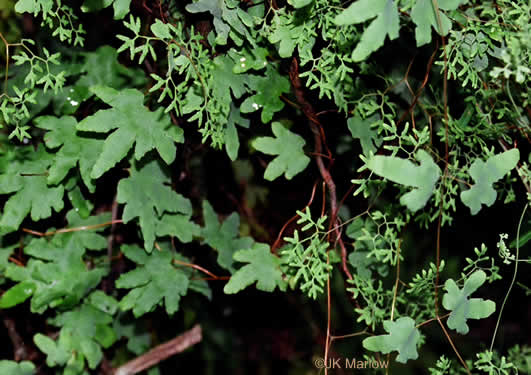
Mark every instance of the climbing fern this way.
pixel 342 179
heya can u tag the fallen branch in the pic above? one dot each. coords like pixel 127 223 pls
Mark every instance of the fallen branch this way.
pixel 161 352
pixel 20 349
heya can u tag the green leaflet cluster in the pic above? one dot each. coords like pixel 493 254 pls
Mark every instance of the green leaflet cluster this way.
pixel 462 308
pixel 386 22
pixel 307 257
pixel 147 197
pixel 263 267
pixel 120 7
pixel 56 276
pixel 134 125
pixel 84 332
pixel 425 177
pixel 155 281
pixel 12 367
pixel 290 159
pixel 203 88
pixel 86 135
pixel 15 104
pixel 33 75
pixel 24 177
pixel 56 16
pixel 404 337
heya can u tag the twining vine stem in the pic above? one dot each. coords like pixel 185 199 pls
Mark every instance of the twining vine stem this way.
pixel 514 275
pixel 315 126
pixel 445 175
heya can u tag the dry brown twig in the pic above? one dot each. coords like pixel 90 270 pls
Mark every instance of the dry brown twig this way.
pixel 161 352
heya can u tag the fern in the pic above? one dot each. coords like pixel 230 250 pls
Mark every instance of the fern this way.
pixel 307 257
pixel 234 163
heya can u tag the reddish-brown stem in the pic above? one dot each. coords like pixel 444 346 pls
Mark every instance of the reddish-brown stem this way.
pixel 318 134
pixel 199 268
pixel 328 319
pixel 16 261
pixel 421 88
pixel 279 237
pixel 68 230
pixel 453 346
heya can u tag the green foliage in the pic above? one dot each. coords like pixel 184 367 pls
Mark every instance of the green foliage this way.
pixel 76 149
pixel 52 278
pixel 178 225
pixel 135 125
pixel 112 161
pixel 362 129
pixel 267 97
pixel 307 262
pixel 5 253
pixel 520 356
pixel 100 67
pixel 424 14
pixel 427 14
pixel 154 281
pixel 443 366
pixel 423 177
pixel 288 147
pixel 374 297
pixel 57 16
pixel 386 23
pixel 485 174
pixel 14 368
pixel 39 73
pixel 227 19
pixel 290 34
pixel 379 235
pixel 84 332
pixel 210 103
pixel 402 336
pixel 15 104
pixel 223 237
pixel 147 197
pixel 462 308
pixel 491 364
pixel 481 262
pixel 263 267
pixel 27 179
pixel 424 281
pixel 120 7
